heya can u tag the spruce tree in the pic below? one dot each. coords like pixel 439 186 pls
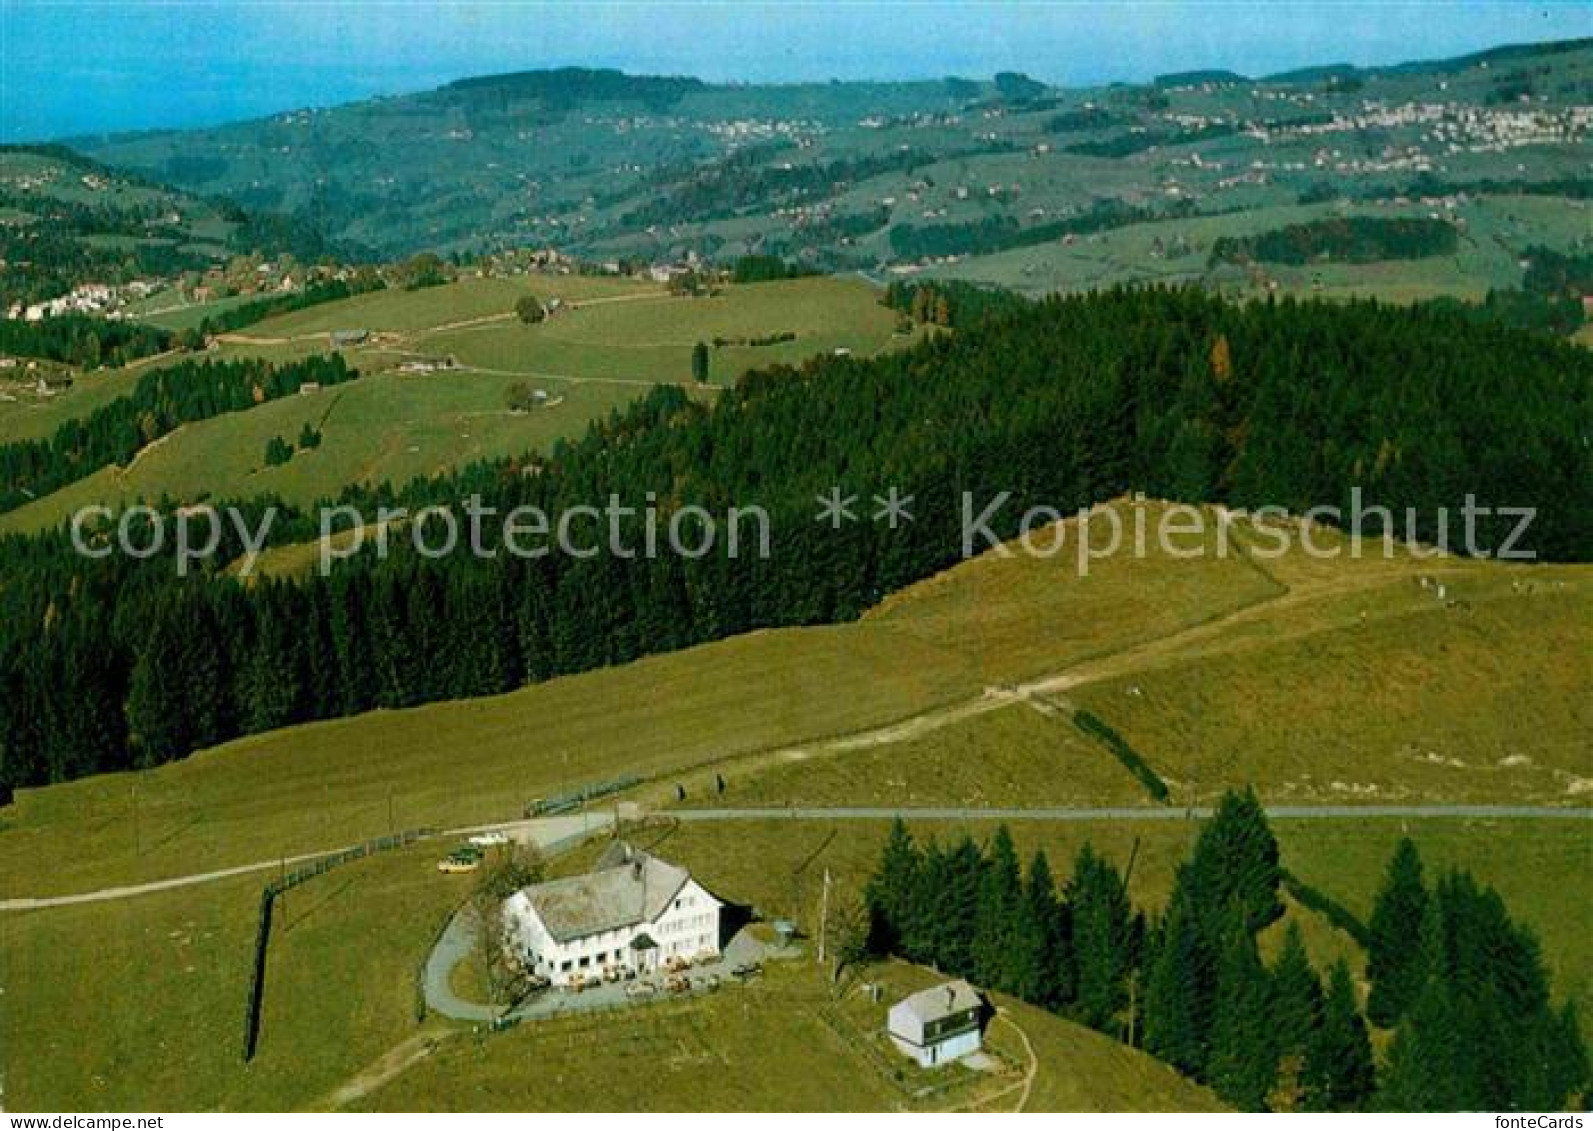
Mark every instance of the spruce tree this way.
pixel 1394 952
pixel 1236 863
pixel 1099 914
pixel 1421 1072
pixel 924 928
pixel 1000 920
pixel 1040 958
pixel 1339 1073
pixel 1243 1059
pixel 891 891
pixel 269 680
pixel 958 908
pixel 1566 1060
pixel 1296 1008
pixel 1178 989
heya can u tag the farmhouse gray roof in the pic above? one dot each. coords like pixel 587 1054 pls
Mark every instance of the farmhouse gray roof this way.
pixel 942 1001
pixel 626 888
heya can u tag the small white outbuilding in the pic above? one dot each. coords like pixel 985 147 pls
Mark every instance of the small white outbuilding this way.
pixel 940 1024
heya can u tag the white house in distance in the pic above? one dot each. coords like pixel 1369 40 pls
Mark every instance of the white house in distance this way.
pixel 940 1024
pixel 631 914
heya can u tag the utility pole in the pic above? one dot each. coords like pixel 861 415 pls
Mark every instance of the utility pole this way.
pixel 1133 1003
pixel 824 915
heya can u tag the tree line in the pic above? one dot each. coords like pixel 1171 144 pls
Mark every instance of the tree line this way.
pixel 1065 402
pixel 950 302
pixel 766 269
pixel 161 400
pixel 1189 984
pixel 1349 239
pixel 1549 299
pixel 1002 232
pixel 1465 990
pixel 83 340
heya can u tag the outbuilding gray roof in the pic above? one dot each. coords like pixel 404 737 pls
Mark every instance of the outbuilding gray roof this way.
pixel 941 1001
pixel 627 887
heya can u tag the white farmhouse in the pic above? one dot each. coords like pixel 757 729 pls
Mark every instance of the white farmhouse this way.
pixel 632 914
pixel 940 1024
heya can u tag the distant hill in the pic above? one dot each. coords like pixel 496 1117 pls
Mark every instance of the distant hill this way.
pixel 1324 73
pixel 611 166
pixel 1509 53
pixel 574 86
pixel 1490 57
pixel 1195 78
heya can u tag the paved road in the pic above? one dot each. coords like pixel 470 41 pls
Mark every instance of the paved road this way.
pixel 554 833
pixel 1147 813
pixel 548 833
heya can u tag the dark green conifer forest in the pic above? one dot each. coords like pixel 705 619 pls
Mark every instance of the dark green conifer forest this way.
pixel 1190 986
pixel 1064 403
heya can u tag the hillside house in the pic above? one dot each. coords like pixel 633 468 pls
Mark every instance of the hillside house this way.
pixel 940 1024
pixel 632 914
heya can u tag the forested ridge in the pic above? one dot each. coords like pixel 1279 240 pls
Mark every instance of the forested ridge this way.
pixel 1064 403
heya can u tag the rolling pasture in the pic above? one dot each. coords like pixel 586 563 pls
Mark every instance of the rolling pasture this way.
pixel 391 426
pixel 914 685
pixel 160 1026
pixel 652 339
pixel 607 346
pixel 1496 230
pixel 947 694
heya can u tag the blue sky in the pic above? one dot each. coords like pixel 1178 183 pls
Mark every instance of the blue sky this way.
pixel 78 66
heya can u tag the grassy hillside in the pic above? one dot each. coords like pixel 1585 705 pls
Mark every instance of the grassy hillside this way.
pixel 653 340
pixel 390 427
pixel 406 311
pixel 339 1021
pixel 1495 232
pixel 1418 702
pixel 311 787
pixel 28 416
pixel 828 1044
pixel 904 692
pixel 612 340
pixel 160 1027
pixel 1477 696
pixel 479 760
